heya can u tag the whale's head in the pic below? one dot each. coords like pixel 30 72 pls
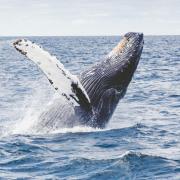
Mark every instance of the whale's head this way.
pixel 122 61
pixel 106 83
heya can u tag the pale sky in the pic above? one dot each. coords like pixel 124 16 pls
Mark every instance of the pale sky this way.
pixel 89 17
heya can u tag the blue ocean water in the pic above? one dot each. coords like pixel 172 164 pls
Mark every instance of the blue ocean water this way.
pixel 141 141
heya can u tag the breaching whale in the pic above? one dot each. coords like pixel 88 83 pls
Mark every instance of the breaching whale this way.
pixel 91 98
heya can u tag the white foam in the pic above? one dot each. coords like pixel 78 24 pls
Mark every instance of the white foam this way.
pixel 77 129
pixel 26 124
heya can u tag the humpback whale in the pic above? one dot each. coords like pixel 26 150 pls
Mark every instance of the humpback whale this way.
pixel 90 98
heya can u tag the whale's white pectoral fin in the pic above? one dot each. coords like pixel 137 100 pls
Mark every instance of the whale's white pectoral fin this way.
pixel 61 79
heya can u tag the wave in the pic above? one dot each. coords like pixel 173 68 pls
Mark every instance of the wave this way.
pixel 130 165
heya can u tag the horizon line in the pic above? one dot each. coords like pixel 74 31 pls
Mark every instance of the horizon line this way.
pixel 90 35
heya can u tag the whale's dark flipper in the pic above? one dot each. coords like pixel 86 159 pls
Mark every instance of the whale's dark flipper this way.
pixel 95 96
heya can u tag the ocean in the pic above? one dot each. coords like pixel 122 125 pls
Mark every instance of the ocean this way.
pixel 141 140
